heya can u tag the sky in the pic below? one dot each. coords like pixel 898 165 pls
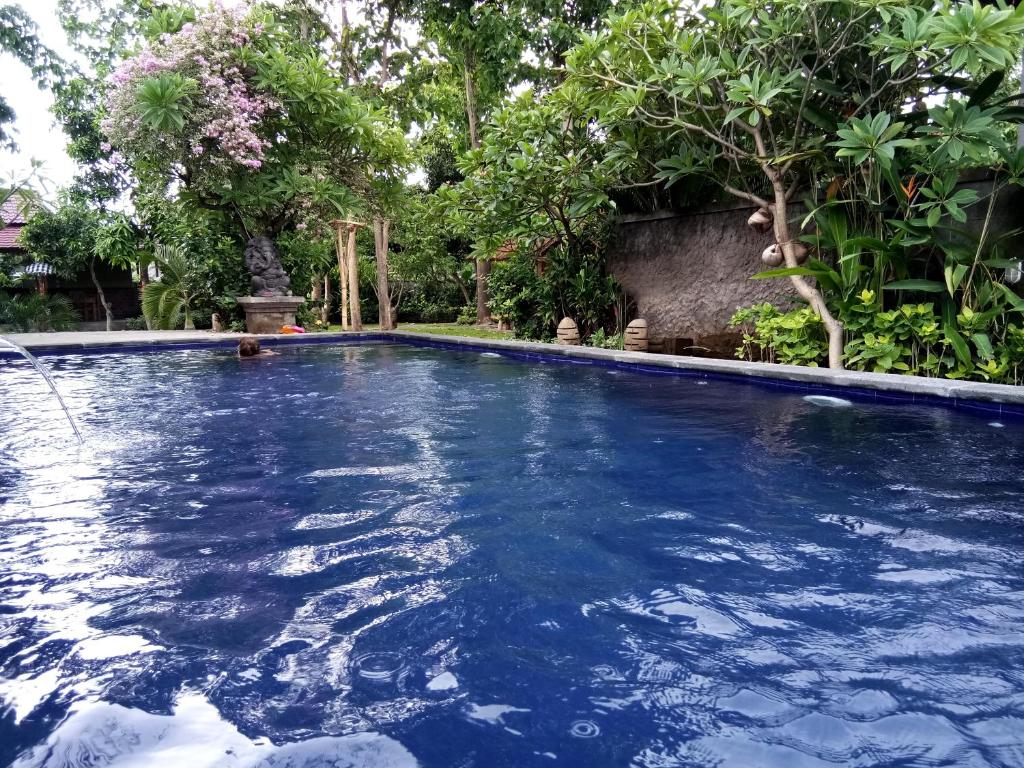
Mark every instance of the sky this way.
pixel 36 134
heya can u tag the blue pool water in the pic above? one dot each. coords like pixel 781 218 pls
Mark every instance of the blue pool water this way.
pixel 392 556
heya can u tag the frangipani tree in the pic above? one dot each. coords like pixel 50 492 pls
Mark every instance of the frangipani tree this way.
pixel 244 117
pixel 760 96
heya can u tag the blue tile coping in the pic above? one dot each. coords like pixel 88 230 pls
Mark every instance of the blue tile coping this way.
pixel 979 397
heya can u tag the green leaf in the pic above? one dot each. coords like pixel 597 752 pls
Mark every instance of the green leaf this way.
pixel 1015 301
pixel 984 345
pixel 959 344
pixel 784 272
pixel 1002 263
pixel 926 286
pixel 986 88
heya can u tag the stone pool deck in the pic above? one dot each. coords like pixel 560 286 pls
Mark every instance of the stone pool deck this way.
pixel 964 393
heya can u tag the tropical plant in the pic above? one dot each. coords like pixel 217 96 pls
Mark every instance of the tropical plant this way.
pixel 771 336
pixel 19 37
pixel 753 94
pixel 33 312
pixel 167 299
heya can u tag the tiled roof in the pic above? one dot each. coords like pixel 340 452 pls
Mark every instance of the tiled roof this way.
pixel 9 238
pixel 11 211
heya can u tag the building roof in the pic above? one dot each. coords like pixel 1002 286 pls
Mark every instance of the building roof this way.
pixel 12 219
pixel 9 238
pixel 12 211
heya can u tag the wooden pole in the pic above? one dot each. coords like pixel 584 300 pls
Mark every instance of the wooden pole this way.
pixel 381 226
pixel 342 249
pixel 348 272
pixel 353 279
pixel 325 314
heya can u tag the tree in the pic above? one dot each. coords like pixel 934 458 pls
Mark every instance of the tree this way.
pixel 537 177
pixel 486 42
pixel 250 121
pixel 753 94
pixel 73 238
pixel 433 248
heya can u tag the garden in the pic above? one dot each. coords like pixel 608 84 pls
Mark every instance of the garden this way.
pixel 491 148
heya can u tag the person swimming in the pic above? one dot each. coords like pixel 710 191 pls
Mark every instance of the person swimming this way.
pixel 249 346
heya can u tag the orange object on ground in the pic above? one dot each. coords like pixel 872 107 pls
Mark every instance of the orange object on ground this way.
pixel 292 329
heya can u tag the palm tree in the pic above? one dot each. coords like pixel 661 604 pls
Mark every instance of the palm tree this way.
pixel 166 299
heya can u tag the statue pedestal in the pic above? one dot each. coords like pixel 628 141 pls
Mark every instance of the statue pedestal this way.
pixel 266 314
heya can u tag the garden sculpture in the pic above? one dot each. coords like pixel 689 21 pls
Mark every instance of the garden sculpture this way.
pixel 568 333
pixel 268 276
pixel 636 336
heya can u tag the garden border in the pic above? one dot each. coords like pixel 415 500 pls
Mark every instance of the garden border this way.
pixel 1002 399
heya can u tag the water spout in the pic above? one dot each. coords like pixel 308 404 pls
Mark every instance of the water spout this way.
pixel 7 344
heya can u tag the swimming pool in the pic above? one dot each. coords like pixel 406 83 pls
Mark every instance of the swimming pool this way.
pixel 387 555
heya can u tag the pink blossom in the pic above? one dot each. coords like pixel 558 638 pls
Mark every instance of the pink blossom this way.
pixel 225 121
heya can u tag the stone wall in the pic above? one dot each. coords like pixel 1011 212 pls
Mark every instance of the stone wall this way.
pixel 689 271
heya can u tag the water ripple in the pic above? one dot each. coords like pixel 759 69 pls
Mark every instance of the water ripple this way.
pixel 393 556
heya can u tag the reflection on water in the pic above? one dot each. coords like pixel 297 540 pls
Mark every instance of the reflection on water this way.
pixel 389 556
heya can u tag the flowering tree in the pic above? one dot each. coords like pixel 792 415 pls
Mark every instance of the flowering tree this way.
pixel 242 117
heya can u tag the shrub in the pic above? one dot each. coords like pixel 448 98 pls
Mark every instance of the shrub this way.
pixel 33 313
pixel 909 339
pixel 603 341
pixel 770 336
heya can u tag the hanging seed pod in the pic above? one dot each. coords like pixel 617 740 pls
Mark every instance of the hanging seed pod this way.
pixel 761 220
pixel 800 252
pixel 772 255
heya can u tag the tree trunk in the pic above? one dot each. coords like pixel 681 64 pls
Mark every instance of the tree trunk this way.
pixel 483 266
pixel 807 291
pixel 314 288
pixel 463 289
pixel 102 296
pixel 143 279
pixel 483 312
pixel 381 227
pixel 353 281
pixel 325 310
pixel 343 279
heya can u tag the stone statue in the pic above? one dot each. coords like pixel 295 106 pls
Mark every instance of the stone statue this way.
pixel 268 276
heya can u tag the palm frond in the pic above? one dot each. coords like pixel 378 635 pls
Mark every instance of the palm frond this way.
pixel 164 300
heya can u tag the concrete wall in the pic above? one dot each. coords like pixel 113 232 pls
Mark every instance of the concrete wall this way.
pixel 688 272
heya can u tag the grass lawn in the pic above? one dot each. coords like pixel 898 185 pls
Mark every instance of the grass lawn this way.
pixel 444 329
